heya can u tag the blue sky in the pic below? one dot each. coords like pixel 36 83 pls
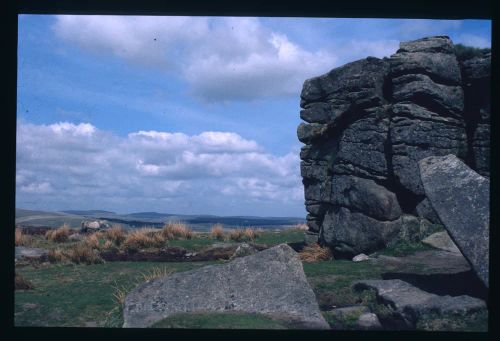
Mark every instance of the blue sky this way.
pixel 192 115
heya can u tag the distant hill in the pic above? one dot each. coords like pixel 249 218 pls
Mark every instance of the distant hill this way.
pixel 152 219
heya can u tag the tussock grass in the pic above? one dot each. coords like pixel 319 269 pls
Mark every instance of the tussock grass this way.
pixel 300 227
pixel 59 235
pixel 83 254
pixel 236 234
pixel 22 283
pixel 155 273
pixel 144 238
pixel 315 253
pixel 217 232
pixel 116 235
pixel 22 239
pixel 92 240
pixel 56 255
pixel 177 230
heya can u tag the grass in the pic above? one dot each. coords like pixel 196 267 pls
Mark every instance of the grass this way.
pixel 59 235
pixel 226 320
pixel 22 239
pixel 315 253
pixel 475 322
pixel 75 294
pixel 404 248
pixel 21 283
pixel 144 238
pixel 177 231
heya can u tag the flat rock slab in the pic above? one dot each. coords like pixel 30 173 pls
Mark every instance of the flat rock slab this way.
pixel 23 252
pixel 441 240
pixel 412 302
pixel 269 282
pixel 425 262
pixel 460 197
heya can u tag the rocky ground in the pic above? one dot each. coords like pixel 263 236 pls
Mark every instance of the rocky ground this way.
pixel 408 286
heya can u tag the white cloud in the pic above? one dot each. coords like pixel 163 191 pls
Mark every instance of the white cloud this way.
pixel 221 59
pixel 80 166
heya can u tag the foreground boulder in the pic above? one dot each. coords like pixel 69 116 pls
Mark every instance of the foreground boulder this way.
pixel 460 197
pixel 269 282
pixel 411 303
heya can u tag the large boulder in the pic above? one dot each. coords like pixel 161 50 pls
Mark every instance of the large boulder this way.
pixel 460 197
pixel 269 282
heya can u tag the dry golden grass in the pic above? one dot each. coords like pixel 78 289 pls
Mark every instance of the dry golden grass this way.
pixel 116 235
pixel 217 232
pixel 251 233
pixel 236 234
pixel 177 230
pixel 144 238
pixel 107 244
pixel 22 239
pixel 92 241
pixel 315 253
pixel 56 255
pixel 82 253
pixel 58 235
pixel 22 283
pixel 155 273
pixel 119 294
pixel 300 227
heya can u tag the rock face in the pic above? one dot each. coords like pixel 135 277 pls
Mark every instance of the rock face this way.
pixel 412 303
pixel 441 240
pixel 268 282
pixel 370 122
pixel 460 197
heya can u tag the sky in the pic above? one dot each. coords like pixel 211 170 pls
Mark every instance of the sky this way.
pixel 185 115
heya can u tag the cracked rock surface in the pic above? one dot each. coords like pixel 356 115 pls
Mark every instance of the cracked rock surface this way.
pixel 370 122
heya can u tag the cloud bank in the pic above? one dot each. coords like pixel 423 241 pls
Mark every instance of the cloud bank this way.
pixel 221 59
pixel 66 165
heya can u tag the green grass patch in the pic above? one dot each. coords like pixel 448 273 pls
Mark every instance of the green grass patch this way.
pixel 76 295
pixel 272 238
pixel 475 322
pixel 404 248
pixel 226 320
pixel 196 243
pixel 331 281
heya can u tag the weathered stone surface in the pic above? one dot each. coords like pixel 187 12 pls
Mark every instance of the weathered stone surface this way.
pixel 352 233
pixel 436 44
pixel 365 196
pixel 424 210
pixel 369 321
pixel 375 120
pixel 310 132
pixel 417 133
pixel 243 250
pixel 269 282
pixel 421 90
pixel 362 146
pixel 413 229
pixel 30 253
pixel 429 262
pixel 460 197
pixel 412 303
pixel 354 85
pixel 441 240
pixel 476 74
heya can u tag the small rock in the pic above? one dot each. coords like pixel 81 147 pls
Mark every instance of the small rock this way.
pixel 30 253
pixel 441 240
pixel 369 321
pixel 76 237
pixel 244 250
pixel 361 257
